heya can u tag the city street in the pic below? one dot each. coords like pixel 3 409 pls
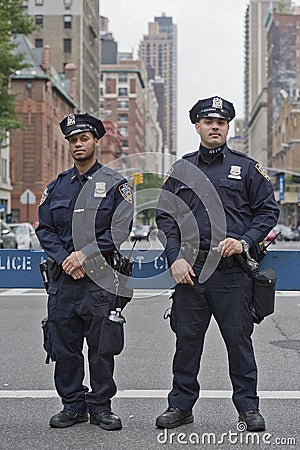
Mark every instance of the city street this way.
pixel 143 375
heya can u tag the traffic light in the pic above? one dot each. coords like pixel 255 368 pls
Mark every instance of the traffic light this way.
pixel 138 178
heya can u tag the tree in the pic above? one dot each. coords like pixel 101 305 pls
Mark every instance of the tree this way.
pixel 13 20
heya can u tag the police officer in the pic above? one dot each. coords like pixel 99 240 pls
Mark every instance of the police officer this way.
pixel 97 203
pixel 228 200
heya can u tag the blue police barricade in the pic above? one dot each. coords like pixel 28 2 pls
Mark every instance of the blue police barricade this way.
pixel 20 269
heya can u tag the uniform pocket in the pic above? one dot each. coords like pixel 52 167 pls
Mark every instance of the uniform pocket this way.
pixel 100 297
pixel 112 338
pixel 52 297
pixel 60 211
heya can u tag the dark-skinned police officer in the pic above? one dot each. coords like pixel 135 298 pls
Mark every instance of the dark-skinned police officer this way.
pixel 84 216
pixel 220 203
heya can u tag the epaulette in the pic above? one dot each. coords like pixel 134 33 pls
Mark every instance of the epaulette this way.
pixel 241 154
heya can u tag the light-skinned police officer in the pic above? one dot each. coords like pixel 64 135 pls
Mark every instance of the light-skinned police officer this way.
pixel 84 216
pixel 220 202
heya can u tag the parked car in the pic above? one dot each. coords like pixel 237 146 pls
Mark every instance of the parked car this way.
pixel 25 234
pixel 140 232
pixel 286 233
pixel 7 236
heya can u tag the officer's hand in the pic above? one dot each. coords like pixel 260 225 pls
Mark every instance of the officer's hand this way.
pixel 182 272
pixel 78 274
pixel 229 247
pixel 73 262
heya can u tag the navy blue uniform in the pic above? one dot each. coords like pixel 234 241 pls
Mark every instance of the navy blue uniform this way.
pixel 211 195
pixel 92 213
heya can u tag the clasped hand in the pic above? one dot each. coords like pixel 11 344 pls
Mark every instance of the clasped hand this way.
pixel 72 265
pixel 183 272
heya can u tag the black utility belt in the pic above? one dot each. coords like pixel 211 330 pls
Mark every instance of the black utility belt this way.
pixel 225 263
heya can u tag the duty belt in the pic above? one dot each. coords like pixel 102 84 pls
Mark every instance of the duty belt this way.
pixel 225 262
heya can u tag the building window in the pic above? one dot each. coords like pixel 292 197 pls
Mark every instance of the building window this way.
pixel 68 2
pixel 123 104
pixel 125 143
pixel 39 20
pixel 67 45
pixel 67 22
pixel 123 92
pixel 122 117
pixel 4 170
pixel 39 2
pixel 108 103
pixel 38 43
pixel 123 78
pixel 123 131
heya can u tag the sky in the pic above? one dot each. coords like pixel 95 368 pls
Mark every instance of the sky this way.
pixel 210 37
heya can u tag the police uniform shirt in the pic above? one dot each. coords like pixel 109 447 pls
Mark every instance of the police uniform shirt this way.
pixel 245 192
pixel 109 200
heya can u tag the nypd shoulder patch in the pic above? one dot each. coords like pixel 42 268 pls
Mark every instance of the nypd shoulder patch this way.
pixel 126 192
pixel 262 171
pixel 169 173
pixel 44 196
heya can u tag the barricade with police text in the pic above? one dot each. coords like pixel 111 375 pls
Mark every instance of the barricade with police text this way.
pixel 20 269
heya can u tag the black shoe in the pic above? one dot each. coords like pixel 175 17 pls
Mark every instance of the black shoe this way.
pixel 173 417
pixel 253 419
pixel 67 418
pixel 107 420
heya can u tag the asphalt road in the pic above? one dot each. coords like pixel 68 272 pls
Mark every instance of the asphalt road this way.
pixel 143 375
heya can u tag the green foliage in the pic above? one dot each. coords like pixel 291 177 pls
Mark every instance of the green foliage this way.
pixel 147 196
pixel 13 20
pixel 151 180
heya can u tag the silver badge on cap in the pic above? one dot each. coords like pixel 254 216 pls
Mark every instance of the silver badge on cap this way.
pixel 100 189
pixel 71 120
pixel 235 172
pixel 217 103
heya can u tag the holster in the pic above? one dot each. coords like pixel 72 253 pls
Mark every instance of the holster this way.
pixel 47 343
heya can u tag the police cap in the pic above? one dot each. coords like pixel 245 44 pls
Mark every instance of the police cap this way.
pixel 212 107
pixel 79 123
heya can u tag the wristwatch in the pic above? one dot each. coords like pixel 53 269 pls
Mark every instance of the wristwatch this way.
pixel 245 245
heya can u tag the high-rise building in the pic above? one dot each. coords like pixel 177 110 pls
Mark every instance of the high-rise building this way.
pixel 255 81
pixel 71 29
pixel 283 68
pixel 159 51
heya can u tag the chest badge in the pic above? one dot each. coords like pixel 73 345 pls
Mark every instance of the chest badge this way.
pixel 235 172
pixel 100 189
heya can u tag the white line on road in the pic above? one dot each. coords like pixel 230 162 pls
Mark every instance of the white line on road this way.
pixel 277 395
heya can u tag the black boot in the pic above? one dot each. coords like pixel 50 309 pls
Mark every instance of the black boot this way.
pixel 107 420
pixel 173 417
pixel 253 419
pixel 67 418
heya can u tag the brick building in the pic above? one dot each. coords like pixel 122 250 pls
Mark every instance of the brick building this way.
pixel 39 151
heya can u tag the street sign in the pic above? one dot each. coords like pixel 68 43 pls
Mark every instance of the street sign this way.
pixel 2 209
pixel 28 197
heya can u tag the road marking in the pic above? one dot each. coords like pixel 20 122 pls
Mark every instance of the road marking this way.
pixel 138 293
pixel 15 292
pixel 277 395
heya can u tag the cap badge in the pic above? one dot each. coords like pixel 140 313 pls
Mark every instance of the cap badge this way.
pixel 235 172
pixel 100 189
pixel 71 120
pixel 217 103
